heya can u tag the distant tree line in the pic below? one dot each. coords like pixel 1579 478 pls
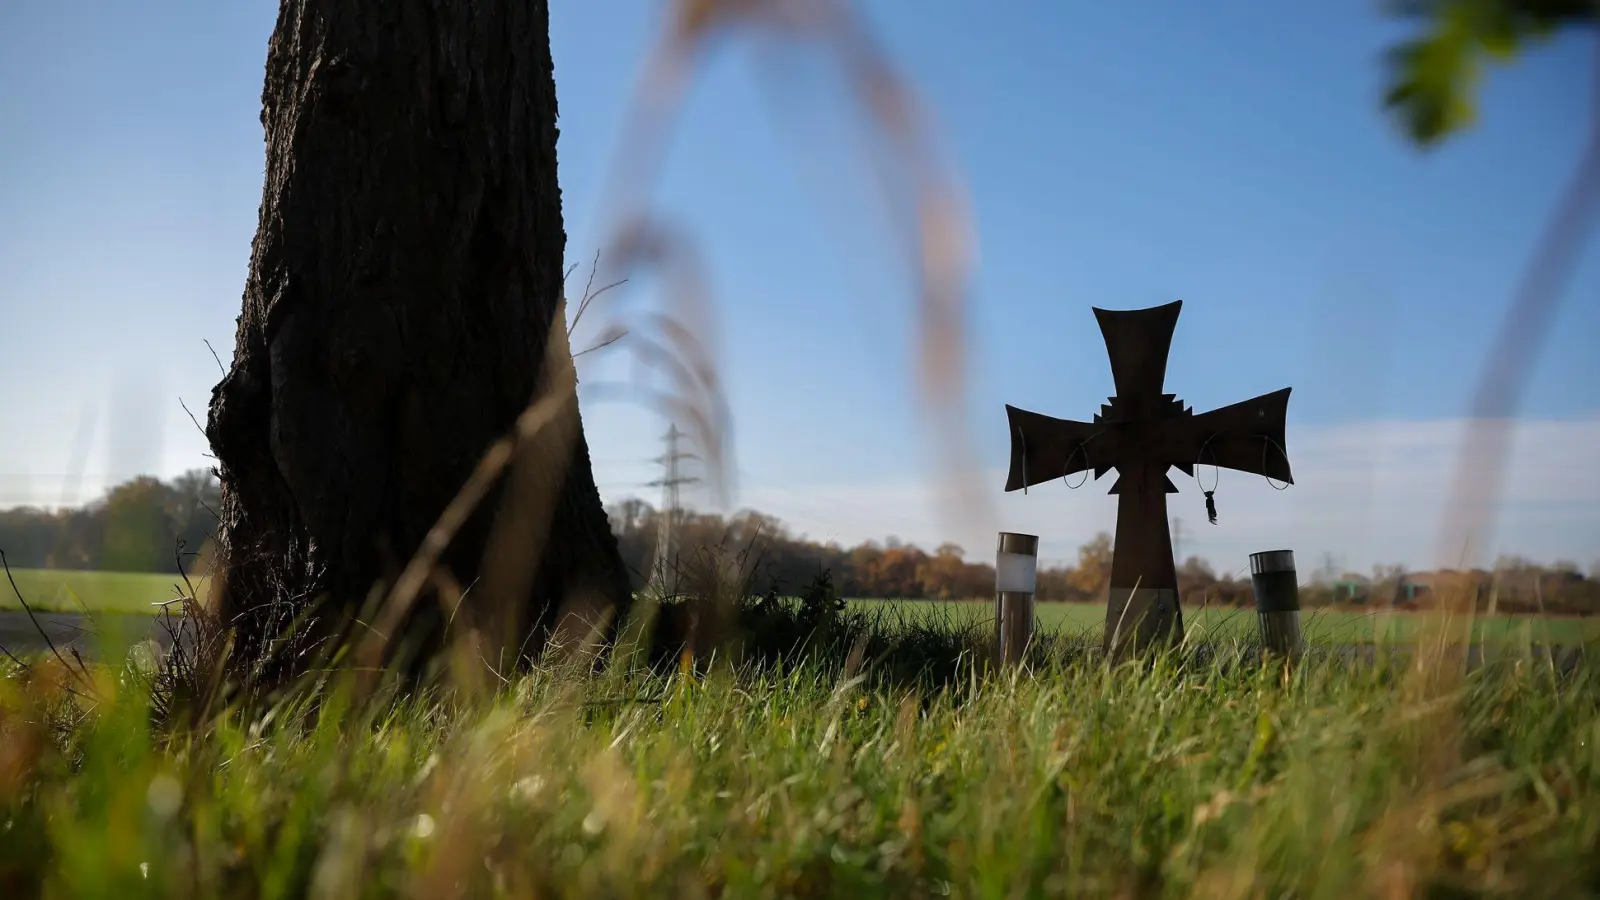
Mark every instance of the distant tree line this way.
pixel 1515 584
pixel 775 559
pixel 138 526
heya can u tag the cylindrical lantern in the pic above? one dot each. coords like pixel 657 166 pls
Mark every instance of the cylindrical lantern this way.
pixel 1016 570
pixel 1277 592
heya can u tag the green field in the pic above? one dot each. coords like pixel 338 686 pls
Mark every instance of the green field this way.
pixel 1325 626
pixel 139 592
pixel 67 590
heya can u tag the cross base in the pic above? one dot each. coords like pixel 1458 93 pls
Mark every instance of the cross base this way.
pixel 1137 618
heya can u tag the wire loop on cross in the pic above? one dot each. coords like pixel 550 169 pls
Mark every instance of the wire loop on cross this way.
pixel 1067 470
pixel 1215 469
pixel 1267 441
pixel 1022 439
pixel 1066 467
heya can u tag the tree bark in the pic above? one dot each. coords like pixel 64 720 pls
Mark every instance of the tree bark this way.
pixel 404 281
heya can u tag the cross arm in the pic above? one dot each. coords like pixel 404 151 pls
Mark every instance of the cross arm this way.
pixel 1043 448
pixel 1248 437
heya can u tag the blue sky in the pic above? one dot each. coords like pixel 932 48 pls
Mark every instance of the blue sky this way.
pixel 1120 155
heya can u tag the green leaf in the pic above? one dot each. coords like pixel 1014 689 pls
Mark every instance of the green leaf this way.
pixel 1431 91
pixel 1434 77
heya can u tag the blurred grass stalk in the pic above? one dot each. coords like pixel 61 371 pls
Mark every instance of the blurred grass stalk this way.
pixel 678 342
pixel 1432 711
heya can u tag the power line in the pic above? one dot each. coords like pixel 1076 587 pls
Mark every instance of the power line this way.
pixel 671 485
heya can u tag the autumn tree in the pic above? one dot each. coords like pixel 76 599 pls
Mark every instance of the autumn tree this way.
pixel 894 572
pixel 1197 570
pixel 1093 571
pixel 862 563
pixel 402 311
pixel 946 575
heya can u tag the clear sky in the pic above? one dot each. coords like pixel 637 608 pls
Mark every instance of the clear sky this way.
pixel 1119 155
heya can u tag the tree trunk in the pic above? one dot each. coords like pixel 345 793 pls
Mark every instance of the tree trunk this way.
pixel 404 281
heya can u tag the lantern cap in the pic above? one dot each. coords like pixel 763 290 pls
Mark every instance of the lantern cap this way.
pixel 1022 544
pixel 1271 561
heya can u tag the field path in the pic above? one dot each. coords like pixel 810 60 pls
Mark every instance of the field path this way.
pixel 68 631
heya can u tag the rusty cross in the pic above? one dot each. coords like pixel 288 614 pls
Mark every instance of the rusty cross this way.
pixel 1141 432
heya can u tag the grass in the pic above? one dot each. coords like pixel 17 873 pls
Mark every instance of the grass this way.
pixel 70 590
pixel 844 774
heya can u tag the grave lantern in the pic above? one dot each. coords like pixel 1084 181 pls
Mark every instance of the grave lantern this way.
pixel 1016 571
pixel 1277 591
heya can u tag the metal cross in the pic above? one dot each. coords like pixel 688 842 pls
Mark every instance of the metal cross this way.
pixel 1141 432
